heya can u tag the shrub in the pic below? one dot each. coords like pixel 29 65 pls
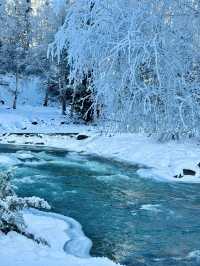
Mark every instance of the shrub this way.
pixel 11 207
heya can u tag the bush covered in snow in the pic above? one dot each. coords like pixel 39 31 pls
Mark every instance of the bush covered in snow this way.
pixel 11 207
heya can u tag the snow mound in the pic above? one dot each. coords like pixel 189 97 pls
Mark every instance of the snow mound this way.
pixel 68 245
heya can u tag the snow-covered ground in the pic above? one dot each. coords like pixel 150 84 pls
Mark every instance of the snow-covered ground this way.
pixel 60 232
pixel 37 119
pixel 30 115
pixel 161 161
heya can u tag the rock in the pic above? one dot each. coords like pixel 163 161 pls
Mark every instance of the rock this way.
pixel 34 123
pixel 198 165
pixel 11 141
pixel 29 135
pixel 188 172
pixel 39 143
pixel 178 176
pixel 81 137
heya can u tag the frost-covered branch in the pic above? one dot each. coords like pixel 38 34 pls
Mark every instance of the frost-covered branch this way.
pixel 11 207
pixel 142 56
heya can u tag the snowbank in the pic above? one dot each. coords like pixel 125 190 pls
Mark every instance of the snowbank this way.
pixel 161 161
pixel 60 232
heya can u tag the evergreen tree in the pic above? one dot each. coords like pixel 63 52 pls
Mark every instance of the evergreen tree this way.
pixel 11 207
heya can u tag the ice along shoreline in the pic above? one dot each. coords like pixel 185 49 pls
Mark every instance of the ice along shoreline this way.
pixel 68 244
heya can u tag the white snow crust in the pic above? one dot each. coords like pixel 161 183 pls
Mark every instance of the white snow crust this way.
pixel 60 232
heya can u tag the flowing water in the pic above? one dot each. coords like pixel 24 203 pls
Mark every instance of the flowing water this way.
pixel 131 220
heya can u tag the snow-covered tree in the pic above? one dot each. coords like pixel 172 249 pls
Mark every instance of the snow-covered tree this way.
pixel 143 58
pixel 27 27
pixel 11 207
pixel 16 37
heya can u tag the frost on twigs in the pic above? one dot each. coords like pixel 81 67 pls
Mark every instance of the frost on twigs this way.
pixel 144 61
pixel 11 207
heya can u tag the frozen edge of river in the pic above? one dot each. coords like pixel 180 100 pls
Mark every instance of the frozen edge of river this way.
pixel 68 244
pixel 78 244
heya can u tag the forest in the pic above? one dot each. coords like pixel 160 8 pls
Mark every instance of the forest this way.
pixel 132 65
pixel 99 132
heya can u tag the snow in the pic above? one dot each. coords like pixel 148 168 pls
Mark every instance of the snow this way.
pixel 58 5
pixel 160 161
pixel 194 254
pixel 31 90
pixel 133 75
pixel 48 119
pixel 30 108
pixel 60 232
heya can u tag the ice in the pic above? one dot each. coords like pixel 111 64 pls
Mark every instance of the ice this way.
pixel 195 254
pixel 60 232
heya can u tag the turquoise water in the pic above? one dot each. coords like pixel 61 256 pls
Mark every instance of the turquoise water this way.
pixel 131 220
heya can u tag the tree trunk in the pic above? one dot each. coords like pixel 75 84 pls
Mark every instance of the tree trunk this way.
pixel 16 89
pixel 46 99
pixel 72 111
pixel 64 106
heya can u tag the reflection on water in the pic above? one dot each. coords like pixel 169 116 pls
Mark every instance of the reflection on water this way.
pixel 132 220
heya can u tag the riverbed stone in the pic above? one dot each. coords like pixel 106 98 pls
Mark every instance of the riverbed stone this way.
pixel 81 137
pixel 189 172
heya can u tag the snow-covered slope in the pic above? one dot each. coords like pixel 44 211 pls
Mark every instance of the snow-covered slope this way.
pixel 16 250
pixel 30 115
